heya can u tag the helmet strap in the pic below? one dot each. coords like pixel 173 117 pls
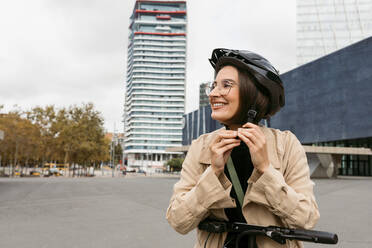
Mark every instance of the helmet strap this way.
pixel 252 113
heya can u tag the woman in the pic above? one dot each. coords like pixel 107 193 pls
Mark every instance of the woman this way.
pixel 270 164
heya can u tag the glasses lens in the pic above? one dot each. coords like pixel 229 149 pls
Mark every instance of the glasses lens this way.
pixel 208 89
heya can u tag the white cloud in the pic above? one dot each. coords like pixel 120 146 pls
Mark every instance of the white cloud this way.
pixel 68 52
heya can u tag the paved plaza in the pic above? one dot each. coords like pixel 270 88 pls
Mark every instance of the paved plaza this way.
pixel 130 212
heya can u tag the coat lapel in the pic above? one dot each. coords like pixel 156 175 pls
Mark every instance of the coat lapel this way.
pixel 273 158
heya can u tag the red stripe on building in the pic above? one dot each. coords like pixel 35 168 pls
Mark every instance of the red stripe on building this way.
pixel 166 34
pixel 167 17
pixel 159 11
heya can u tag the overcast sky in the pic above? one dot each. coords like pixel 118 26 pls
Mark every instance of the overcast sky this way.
pixel 66 52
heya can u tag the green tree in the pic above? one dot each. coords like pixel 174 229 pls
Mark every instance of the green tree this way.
pixel 47 134
pixel 45 120
pixel 82 135
pixel 175 164
pixel 21 140
pixel 118 151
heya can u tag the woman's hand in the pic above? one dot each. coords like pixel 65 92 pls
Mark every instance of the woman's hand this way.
pixel 252 135
pixel 221 148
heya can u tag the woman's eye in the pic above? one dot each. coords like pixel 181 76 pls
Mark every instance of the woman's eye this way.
pixel 227 85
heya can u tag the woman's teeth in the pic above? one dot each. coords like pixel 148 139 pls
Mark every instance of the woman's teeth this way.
pixel 218 104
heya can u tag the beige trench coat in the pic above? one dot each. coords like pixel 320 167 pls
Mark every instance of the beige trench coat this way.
pixel 282 196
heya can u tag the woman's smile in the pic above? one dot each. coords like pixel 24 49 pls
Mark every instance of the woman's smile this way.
pixel 218 105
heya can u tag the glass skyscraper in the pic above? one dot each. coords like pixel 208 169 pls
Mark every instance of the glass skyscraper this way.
pixel 324 26
pixel 155 85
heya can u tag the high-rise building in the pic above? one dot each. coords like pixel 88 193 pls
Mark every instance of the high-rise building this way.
pixel 324 26
pixel 203 98
pixel 155 86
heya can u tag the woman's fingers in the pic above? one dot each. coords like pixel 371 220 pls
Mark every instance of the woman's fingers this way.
pixel 248 134
pixel 226 134
pixel 225 142
pixel 250 125
pixel 227 147
pixel 224 137
pixel 256 141
pixel 254 134
pixel 246 140
pixel 221 148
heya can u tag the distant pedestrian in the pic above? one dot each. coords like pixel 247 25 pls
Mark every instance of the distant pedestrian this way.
pixel 272 186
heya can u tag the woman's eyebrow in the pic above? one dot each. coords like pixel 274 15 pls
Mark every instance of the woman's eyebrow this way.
pixel 229 80
pixel 225 79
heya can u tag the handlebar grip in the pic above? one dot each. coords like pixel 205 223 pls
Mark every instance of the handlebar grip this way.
pixel 318 236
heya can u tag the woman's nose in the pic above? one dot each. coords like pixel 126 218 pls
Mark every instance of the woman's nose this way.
pixel 215 92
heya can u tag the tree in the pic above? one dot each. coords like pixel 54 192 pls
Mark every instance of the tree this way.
pixel 118 151
pixel 21 140
pixel 87 126
pixel 45 120
pixel 47 134
pixel 175 164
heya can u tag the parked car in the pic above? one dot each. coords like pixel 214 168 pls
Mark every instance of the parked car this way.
pixel 35 173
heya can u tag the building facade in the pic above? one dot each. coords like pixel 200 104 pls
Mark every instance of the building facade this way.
pixel 155 85
pixel 329 25
pixel 203 98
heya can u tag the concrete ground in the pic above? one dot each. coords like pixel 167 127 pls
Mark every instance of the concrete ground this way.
pixel 130 212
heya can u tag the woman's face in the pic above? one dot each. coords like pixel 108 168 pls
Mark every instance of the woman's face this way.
pixel 225 106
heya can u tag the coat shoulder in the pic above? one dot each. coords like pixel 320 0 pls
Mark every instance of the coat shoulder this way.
pixel 281 145
pixel 200 147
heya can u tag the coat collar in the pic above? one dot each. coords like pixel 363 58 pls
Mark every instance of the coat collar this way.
pixel 205 155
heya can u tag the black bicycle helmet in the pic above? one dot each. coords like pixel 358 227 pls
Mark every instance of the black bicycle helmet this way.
pixel 266 75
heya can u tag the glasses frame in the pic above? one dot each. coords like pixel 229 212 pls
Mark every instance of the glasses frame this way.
pixel 209 88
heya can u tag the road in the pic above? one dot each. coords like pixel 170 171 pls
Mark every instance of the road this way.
pixel 130 212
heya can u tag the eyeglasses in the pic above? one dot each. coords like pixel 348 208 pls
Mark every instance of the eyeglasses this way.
pixel 223 87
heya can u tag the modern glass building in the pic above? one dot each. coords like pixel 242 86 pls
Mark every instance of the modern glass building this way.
pixel 329 25
pixel 155 85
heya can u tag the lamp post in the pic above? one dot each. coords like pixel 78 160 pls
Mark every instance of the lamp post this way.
pixel 1 138
pixel 113 142
pixel 112 157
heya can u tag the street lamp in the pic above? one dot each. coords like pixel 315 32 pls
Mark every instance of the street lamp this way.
pixel 1 138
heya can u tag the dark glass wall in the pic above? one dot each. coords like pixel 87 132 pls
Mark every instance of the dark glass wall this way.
pixel 330 98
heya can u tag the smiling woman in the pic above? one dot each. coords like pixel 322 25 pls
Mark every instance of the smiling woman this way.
pixel 244 172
